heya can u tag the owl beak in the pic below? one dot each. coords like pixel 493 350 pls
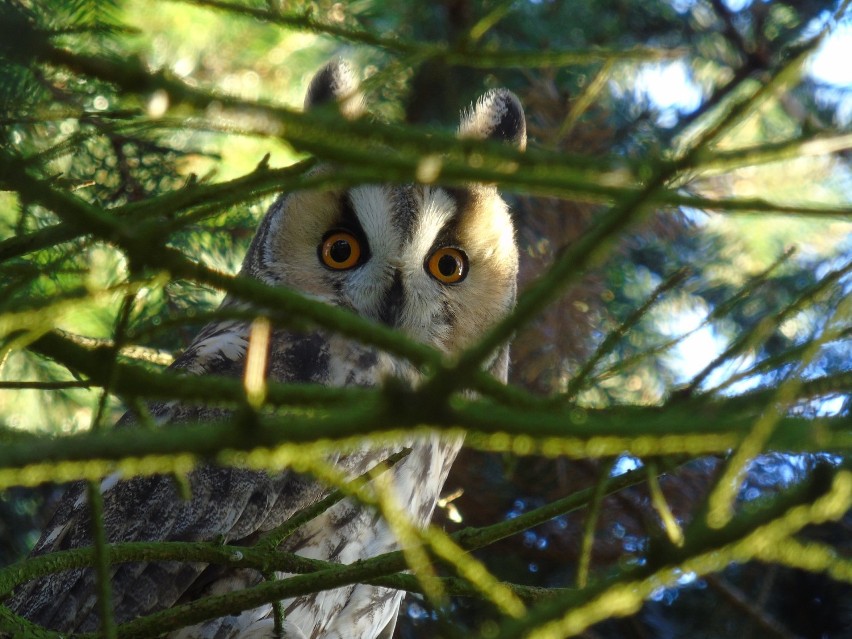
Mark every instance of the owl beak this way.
pixel 392 303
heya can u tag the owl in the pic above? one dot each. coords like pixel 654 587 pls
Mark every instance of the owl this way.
pixel 439 265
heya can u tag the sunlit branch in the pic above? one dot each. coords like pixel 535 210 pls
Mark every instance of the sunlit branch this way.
pixel 705 551
pixel 691 428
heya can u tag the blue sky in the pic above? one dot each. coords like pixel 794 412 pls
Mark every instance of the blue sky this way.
pixel 670 88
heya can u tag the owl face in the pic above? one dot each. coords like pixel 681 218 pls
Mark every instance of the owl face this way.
pixel 439 264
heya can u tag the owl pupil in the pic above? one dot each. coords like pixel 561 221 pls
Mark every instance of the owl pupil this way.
pixel 447 265
pixel 340 251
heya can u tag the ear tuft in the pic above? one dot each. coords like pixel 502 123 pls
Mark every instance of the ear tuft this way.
pixel 497 115
pixel 336 82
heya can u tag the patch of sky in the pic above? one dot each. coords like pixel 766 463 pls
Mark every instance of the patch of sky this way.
pixel 687 578
pixel 830 63
pixel 625 464
pixel 829 406
pixel 697 217
pixel 668 87
pixel 671 89
pixel 830 67
pixel 664 595
pixel 700 346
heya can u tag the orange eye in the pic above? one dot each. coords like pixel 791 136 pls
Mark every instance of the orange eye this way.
pixel 340 250
pixel 448 265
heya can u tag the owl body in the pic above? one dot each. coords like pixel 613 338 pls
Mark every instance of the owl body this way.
pixel 438 264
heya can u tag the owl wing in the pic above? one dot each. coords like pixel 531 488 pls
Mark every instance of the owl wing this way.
pixel 226 504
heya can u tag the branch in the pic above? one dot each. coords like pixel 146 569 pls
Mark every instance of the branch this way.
pixel 825 496
pixel 692 427
pixel 463 57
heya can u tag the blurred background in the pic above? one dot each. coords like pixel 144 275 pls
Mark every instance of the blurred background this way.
pixel 732 269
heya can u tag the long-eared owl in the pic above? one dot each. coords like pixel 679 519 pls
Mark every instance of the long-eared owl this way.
pixel 439 265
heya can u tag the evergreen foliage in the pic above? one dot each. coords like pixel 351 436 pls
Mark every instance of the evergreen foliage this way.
pixel 133 172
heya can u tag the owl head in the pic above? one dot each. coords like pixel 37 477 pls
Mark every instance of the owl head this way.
pixel 438 263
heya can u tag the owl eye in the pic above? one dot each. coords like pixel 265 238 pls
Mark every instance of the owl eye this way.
pixel 448 265
pixel 340 250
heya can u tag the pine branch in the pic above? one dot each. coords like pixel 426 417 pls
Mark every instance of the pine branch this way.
pixel 695 428
pixel 465 57
pixel 705 551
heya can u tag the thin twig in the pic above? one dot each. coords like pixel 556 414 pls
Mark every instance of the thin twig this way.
pixel 761 616
pixel 592 516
